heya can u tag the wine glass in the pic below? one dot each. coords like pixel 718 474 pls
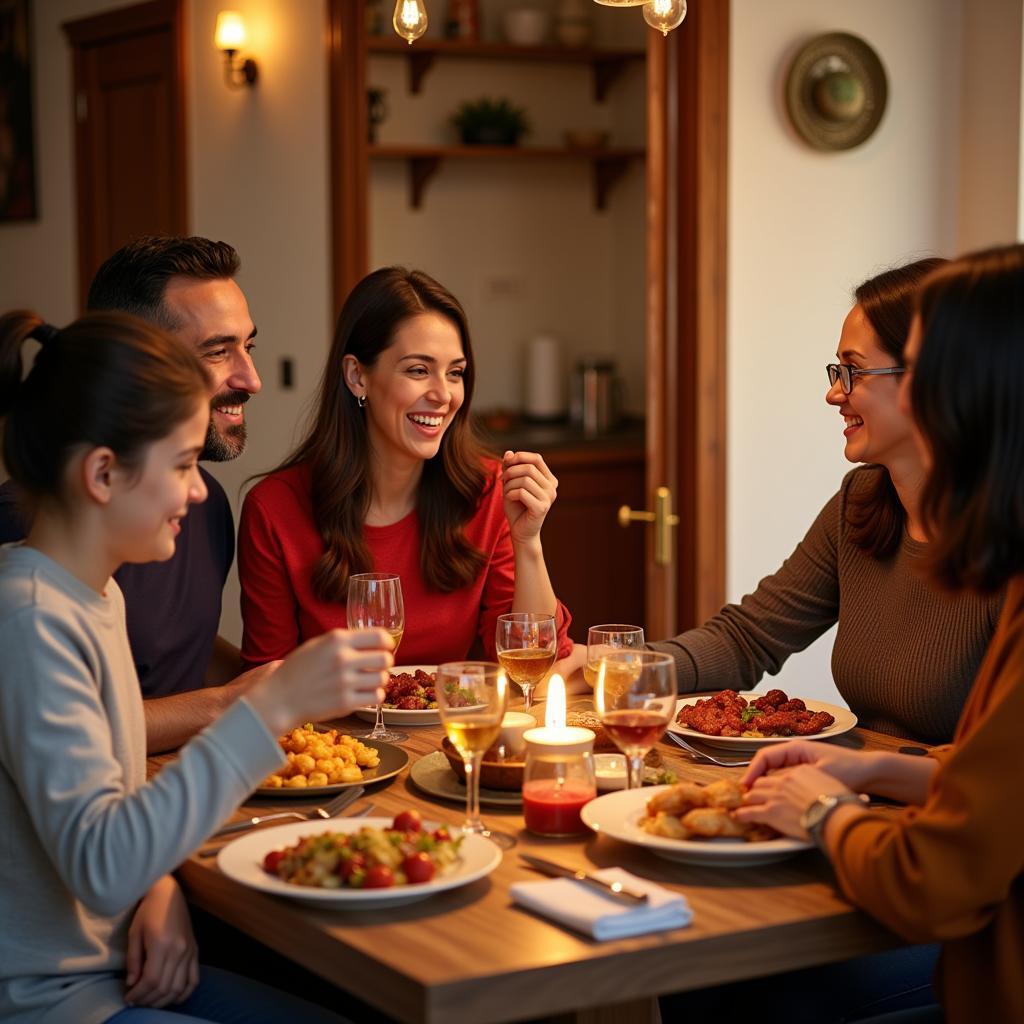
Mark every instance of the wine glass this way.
pixel 635 698
pixel 526 643
pixel 471 697
pixel 375 601
pixel 601 640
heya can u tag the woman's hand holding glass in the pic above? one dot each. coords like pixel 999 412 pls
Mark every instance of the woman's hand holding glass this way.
pixel 327 677
pixel 529 488
pixel 635 698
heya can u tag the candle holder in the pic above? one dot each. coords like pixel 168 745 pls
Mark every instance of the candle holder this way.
pixel 558 779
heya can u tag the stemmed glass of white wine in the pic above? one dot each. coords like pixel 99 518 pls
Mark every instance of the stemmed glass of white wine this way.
pixel 635 698
pixel 601 640
pixel 527 644
pixel 472 697
pixel 375 602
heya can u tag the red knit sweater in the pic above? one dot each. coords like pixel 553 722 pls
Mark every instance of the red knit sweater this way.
pixel 279 544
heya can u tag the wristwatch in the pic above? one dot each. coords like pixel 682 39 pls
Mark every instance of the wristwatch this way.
pixel 814 818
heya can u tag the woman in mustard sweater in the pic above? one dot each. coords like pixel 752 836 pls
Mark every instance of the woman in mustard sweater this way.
pixel 950 866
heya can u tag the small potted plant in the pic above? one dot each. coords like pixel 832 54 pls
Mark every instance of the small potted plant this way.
pixel 487 122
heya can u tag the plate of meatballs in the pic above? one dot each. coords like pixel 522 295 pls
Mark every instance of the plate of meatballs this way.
pixel 730 720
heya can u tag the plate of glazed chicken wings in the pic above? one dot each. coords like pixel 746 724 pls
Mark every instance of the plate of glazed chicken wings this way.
pixel 730 720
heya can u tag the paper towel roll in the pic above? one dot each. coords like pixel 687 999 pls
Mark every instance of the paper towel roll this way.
pixel 545 384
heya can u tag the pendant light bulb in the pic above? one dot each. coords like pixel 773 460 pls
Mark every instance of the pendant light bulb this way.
pixel 410 19
pixel 664 15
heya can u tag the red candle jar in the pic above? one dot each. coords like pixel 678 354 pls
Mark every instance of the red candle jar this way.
pixel 558 779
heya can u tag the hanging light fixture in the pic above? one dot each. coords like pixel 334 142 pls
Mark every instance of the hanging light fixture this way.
pixel 410 19
pixel 664 15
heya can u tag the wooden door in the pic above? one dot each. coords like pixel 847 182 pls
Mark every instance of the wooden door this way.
pixel 687 97
pixel 129 109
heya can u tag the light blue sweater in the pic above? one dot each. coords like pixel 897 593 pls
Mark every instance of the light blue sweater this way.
pixel 83 835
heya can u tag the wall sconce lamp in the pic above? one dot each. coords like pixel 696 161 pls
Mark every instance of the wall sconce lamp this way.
pixel 230 37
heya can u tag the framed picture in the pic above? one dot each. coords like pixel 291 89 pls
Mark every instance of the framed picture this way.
pixel 17 152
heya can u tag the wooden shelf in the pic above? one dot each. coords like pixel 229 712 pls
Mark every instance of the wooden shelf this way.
pixel 608 164
pixel 607 65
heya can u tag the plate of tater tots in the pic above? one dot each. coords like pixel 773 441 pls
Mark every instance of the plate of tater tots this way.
pixel 322 761
pixel 689 822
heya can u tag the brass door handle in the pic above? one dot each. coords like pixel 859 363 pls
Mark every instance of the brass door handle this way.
pixel 662 517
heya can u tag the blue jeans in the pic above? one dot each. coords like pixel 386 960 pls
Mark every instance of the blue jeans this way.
pixel 225 998
pixel 852 990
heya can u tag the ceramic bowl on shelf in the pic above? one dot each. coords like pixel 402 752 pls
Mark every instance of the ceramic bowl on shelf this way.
pixel 525 26
pixel 586 139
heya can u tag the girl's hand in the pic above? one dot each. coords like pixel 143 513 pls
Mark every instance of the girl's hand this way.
pixel 781 798
pixel 162 962
pixel 530 489
pixel 327 677
pixel 851 767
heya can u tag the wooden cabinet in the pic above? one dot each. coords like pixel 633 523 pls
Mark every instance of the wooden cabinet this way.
pixel 596 566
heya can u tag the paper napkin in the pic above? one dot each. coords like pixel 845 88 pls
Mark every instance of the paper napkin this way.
pixel 583 908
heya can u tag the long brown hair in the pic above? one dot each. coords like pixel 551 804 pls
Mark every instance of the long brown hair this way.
pixel 108 379
pixel 875 516
pixel 966 396
pixel 336 447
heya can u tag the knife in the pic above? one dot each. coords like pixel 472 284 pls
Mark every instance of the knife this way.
pixel 614 889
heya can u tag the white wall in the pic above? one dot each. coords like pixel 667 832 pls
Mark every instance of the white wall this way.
pixel 941 175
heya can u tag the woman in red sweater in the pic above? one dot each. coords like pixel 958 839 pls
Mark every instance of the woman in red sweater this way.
pixel 950 866
pixel 391 478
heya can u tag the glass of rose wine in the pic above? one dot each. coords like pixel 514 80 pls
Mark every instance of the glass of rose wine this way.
pixel 635 698
pixel 527 643
pixel 601 640
pixel 472 697
pixel 375 602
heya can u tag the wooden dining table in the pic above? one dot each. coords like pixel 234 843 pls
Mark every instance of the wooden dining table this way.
pixel 469 955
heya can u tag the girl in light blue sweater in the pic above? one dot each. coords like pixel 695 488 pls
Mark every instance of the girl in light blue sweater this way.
pixel 103 436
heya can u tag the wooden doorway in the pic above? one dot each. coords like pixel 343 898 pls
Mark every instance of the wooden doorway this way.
pixel 130 137
pixel 687 135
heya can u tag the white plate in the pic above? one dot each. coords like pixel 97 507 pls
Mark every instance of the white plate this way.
pixel 242 861
pixel 845 720
pixel 618 815
pixel 392 716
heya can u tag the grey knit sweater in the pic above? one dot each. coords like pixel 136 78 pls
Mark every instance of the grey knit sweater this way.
pixel 84 836
pixel 905 654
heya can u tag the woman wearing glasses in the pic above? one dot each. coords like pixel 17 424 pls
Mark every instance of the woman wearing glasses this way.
pixel 905 652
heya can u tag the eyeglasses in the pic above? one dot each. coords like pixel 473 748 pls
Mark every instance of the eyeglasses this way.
pixel 845 374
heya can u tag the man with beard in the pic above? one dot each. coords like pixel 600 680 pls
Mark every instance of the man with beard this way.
pixel 187 672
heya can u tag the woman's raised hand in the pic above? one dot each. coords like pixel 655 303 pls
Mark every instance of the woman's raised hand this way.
pixel 529 488
pixel 327 677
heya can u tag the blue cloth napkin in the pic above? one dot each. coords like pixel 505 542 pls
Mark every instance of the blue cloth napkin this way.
pixel 585 909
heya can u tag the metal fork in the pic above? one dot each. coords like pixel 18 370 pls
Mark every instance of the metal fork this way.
pixel 339 803
pixel 676 738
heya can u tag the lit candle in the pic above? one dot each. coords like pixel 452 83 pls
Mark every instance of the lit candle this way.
pixel 558 779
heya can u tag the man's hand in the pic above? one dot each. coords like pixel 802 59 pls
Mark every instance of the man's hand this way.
pixel 162 961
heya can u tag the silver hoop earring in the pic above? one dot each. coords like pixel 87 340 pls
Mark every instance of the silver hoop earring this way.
pixel 361 401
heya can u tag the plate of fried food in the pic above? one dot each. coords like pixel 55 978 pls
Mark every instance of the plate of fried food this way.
pixel 323 761
pixel 358 863
pixel 410 697
pixel 730 720
pixel 689 822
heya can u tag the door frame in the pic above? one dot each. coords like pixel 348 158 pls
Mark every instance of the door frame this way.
pixel 104 28
pixel 687 271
